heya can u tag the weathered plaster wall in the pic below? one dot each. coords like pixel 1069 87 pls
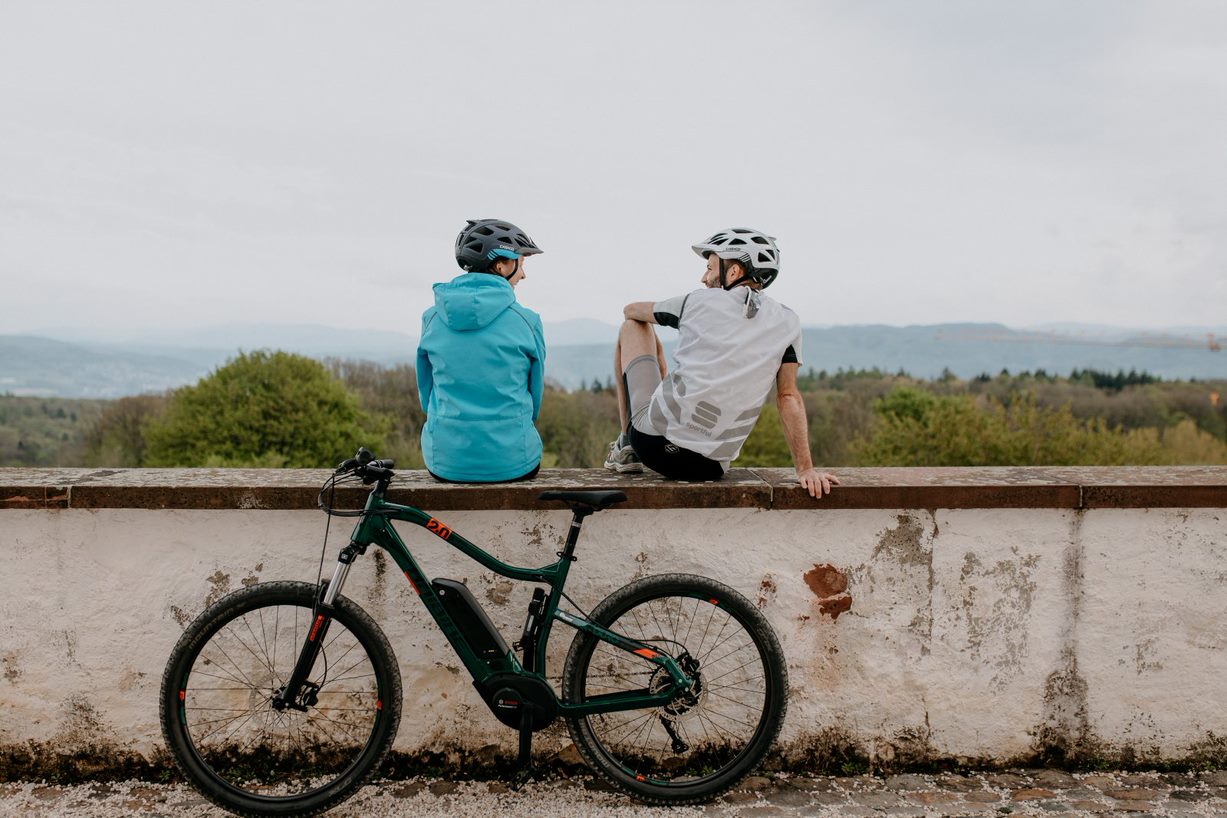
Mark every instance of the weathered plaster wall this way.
pixel 985 635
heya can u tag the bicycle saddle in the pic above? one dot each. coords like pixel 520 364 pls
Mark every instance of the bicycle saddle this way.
pixel 596 500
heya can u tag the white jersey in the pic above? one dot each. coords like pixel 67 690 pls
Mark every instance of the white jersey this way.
pixel 730 348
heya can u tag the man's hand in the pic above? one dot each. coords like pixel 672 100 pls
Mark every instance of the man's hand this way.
pixel 817 483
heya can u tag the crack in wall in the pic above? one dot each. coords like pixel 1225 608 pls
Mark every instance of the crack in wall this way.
pixel 1065 735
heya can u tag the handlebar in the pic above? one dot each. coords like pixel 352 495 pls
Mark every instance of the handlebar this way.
pixel 365 465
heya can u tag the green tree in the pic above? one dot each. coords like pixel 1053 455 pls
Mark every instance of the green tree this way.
pixel 390 396
pixel 915 428
pixel 267 409
pixel 576 427
pixel 118 438
pixel 766 446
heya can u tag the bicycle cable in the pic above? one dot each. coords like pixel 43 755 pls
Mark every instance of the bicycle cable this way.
pixel 575 605
pixel 330 510
pixel 319 575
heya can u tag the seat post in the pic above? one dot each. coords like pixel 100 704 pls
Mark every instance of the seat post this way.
pixel 577 521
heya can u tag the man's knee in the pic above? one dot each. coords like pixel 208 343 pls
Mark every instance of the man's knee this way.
pixel 634 339
pixel 632 327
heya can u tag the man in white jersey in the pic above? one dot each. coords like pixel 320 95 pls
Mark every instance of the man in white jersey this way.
pixel 734 344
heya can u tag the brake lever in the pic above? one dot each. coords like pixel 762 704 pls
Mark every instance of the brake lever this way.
pixel 346 466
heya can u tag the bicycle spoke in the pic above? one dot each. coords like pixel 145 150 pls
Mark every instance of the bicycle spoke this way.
pixel 238 668
pixel 734 670
pixel 222 721
pixel 712 714
pixel 276 631
pixel 247 647
pixel 263 649
pixel 228 675
pixel 700 654
pixel 713 649
pixel 690 623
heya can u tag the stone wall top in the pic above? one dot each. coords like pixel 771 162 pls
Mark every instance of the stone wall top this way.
pixel 973 487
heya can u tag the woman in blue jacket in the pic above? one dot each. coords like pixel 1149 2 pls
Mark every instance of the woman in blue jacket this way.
pixel 481 363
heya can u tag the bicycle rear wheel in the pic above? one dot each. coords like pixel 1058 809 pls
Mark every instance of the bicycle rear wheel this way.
pixel 217 702
pixel 704 741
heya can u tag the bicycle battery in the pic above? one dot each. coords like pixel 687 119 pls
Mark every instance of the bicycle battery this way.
pixel 469 617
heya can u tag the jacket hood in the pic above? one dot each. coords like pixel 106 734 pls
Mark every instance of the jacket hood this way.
pixel 473 300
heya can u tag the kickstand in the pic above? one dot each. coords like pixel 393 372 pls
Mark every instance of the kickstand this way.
pixel 526 771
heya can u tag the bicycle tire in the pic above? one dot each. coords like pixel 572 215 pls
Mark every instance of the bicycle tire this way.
pixel 216 703
pixel 728 723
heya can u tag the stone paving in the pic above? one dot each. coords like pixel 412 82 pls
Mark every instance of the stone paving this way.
pixel 1017 792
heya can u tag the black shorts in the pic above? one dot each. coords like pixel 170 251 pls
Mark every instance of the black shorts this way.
pixel 672 461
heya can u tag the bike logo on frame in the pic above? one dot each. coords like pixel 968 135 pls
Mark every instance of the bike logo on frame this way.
pixel 438 528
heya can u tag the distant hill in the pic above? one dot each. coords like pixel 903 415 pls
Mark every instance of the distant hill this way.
pixel 971 349
pixel 582 351
pixel 33 366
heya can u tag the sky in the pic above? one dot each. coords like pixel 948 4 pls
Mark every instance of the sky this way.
pixel 173 164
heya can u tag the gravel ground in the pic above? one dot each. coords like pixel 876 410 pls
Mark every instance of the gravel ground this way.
pixel 1018 792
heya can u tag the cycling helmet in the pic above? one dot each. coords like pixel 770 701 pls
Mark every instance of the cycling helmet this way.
pixel 484 240
pixel 754 250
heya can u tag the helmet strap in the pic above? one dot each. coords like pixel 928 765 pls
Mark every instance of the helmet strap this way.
pixel 745 279
pixel 494 271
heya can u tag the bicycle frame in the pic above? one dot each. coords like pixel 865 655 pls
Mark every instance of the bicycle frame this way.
pixel 374 528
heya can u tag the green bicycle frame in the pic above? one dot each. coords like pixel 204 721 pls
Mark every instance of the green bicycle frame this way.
pixel 375 528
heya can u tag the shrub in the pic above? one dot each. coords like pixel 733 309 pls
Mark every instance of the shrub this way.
pixel 265 409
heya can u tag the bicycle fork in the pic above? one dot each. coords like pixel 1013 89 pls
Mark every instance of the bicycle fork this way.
pixel 298 693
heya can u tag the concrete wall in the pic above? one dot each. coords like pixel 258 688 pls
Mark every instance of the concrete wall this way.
pixel 982 635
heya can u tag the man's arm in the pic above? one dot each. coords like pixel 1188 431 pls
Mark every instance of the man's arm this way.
pixel 667 313
pixel 640 311
pixel 796 432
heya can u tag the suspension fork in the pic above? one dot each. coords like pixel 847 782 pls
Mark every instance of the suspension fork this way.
pixel 297 687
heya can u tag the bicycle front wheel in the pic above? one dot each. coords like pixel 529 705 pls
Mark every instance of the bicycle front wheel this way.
pixel 705 740
pixel 217 702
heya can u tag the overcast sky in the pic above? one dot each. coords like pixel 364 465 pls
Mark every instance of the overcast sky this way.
pixel 184 164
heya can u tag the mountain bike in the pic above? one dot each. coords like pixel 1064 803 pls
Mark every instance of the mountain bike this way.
pixel 283 698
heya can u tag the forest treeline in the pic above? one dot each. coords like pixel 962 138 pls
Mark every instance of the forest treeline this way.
pixel 276 409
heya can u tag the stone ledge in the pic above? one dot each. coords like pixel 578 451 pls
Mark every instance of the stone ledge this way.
pixel 973 487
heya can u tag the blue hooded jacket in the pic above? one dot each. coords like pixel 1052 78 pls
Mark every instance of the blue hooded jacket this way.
pixel 481 372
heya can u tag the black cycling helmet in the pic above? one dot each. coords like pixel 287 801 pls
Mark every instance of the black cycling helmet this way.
pixel 482 241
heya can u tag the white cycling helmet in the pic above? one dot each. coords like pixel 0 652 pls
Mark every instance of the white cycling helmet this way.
pixel 754 250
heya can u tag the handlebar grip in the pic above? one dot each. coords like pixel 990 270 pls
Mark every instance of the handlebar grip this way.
pixel 371 473
pixel 386 464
